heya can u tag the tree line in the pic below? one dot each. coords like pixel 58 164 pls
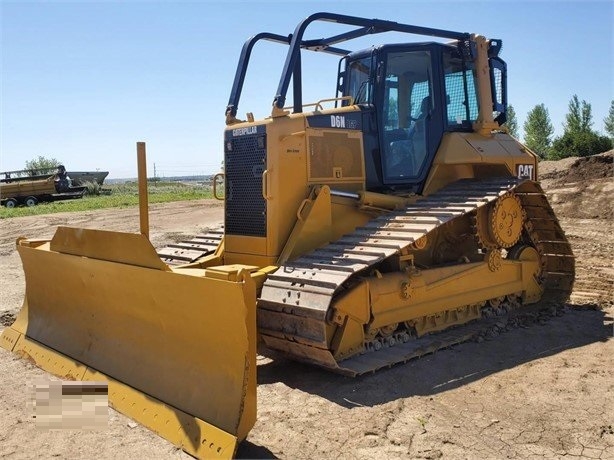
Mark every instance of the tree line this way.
pixel 579 139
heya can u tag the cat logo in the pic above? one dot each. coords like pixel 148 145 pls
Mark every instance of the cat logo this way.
pixel 525 171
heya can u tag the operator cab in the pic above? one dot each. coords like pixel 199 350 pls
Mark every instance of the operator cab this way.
pixel 411 95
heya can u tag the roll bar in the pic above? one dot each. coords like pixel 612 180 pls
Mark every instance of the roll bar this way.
pixel 292 65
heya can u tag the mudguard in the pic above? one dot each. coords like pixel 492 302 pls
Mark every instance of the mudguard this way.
pixel 177 346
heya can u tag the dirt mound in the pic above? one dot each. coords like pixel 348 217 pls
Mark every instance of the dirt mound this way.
pixel 580 187
pixel 578 168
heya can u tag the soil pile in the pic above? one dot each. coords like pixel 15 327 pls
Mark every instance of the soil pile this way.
pixel 580 187
pixel 578 168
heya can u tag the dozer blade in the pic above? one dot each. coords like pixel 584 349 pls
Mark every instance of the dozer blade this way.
pixel 177 347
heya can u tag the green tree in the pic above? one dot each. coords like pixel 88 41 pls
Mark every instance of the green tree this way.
pixel 44 164
pixel 579 119
pixel 511 121
pixel 538 130
pixel 609 121
pixel 580 144
pixel 579 140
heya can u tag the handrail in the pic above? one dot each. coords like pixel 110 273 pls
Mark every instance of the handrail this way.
pixel 318 105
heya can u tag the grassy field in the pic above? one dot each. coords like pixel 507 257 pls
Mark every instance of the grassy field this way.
pixel 121 196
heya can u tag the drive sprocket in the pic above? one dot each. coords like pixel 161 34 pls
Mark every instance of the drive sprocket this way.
pixel 499 225
pixel 506 220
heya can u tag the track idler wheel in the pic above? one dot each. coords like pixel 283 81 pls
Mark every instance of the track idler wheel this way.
pixel 523 252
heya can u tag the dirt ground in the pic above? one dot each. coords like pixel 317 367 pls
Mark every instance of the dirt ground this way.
pixel 546 390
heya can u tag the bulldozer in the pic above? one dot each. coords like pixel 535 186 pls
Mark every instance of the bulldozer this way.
pixel 392 219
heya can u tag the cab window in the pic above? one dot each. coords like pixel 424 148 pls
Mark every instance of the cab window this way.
pixel 359 87
pixel 462 103
pixel 407 108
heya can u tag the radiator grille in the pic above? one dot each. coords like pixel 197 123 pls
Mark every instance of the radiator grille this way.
pixel 245 208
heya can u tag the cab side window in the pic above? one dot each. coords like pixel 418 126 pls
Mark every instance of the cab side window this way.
pixel 359 85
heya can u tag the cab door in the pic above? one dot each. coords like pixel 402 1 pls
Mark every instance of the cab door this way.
pixel 410 128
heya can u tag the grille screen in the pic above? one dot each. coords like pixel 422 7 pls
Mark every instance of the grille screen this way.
pixel 245 208
pixel 335 156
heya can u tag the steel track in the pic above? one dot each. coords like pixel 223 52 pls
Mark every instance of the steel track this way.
pixel 190 250
pixel 295 299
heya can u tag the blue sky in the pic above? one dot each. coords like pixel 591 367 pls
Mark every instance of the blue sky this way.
pixel 83 81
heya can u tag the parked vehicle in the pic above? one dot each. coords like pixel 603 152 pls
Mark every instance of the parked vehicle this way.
pixel 29 192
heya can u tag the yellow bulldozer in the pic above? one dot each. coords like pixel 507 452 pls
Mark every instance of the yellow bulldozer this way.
pixel 393 219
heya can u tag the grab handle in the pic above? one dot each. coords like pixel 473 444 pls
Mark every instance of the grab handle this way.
pixel 265 185
pixel 215 178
